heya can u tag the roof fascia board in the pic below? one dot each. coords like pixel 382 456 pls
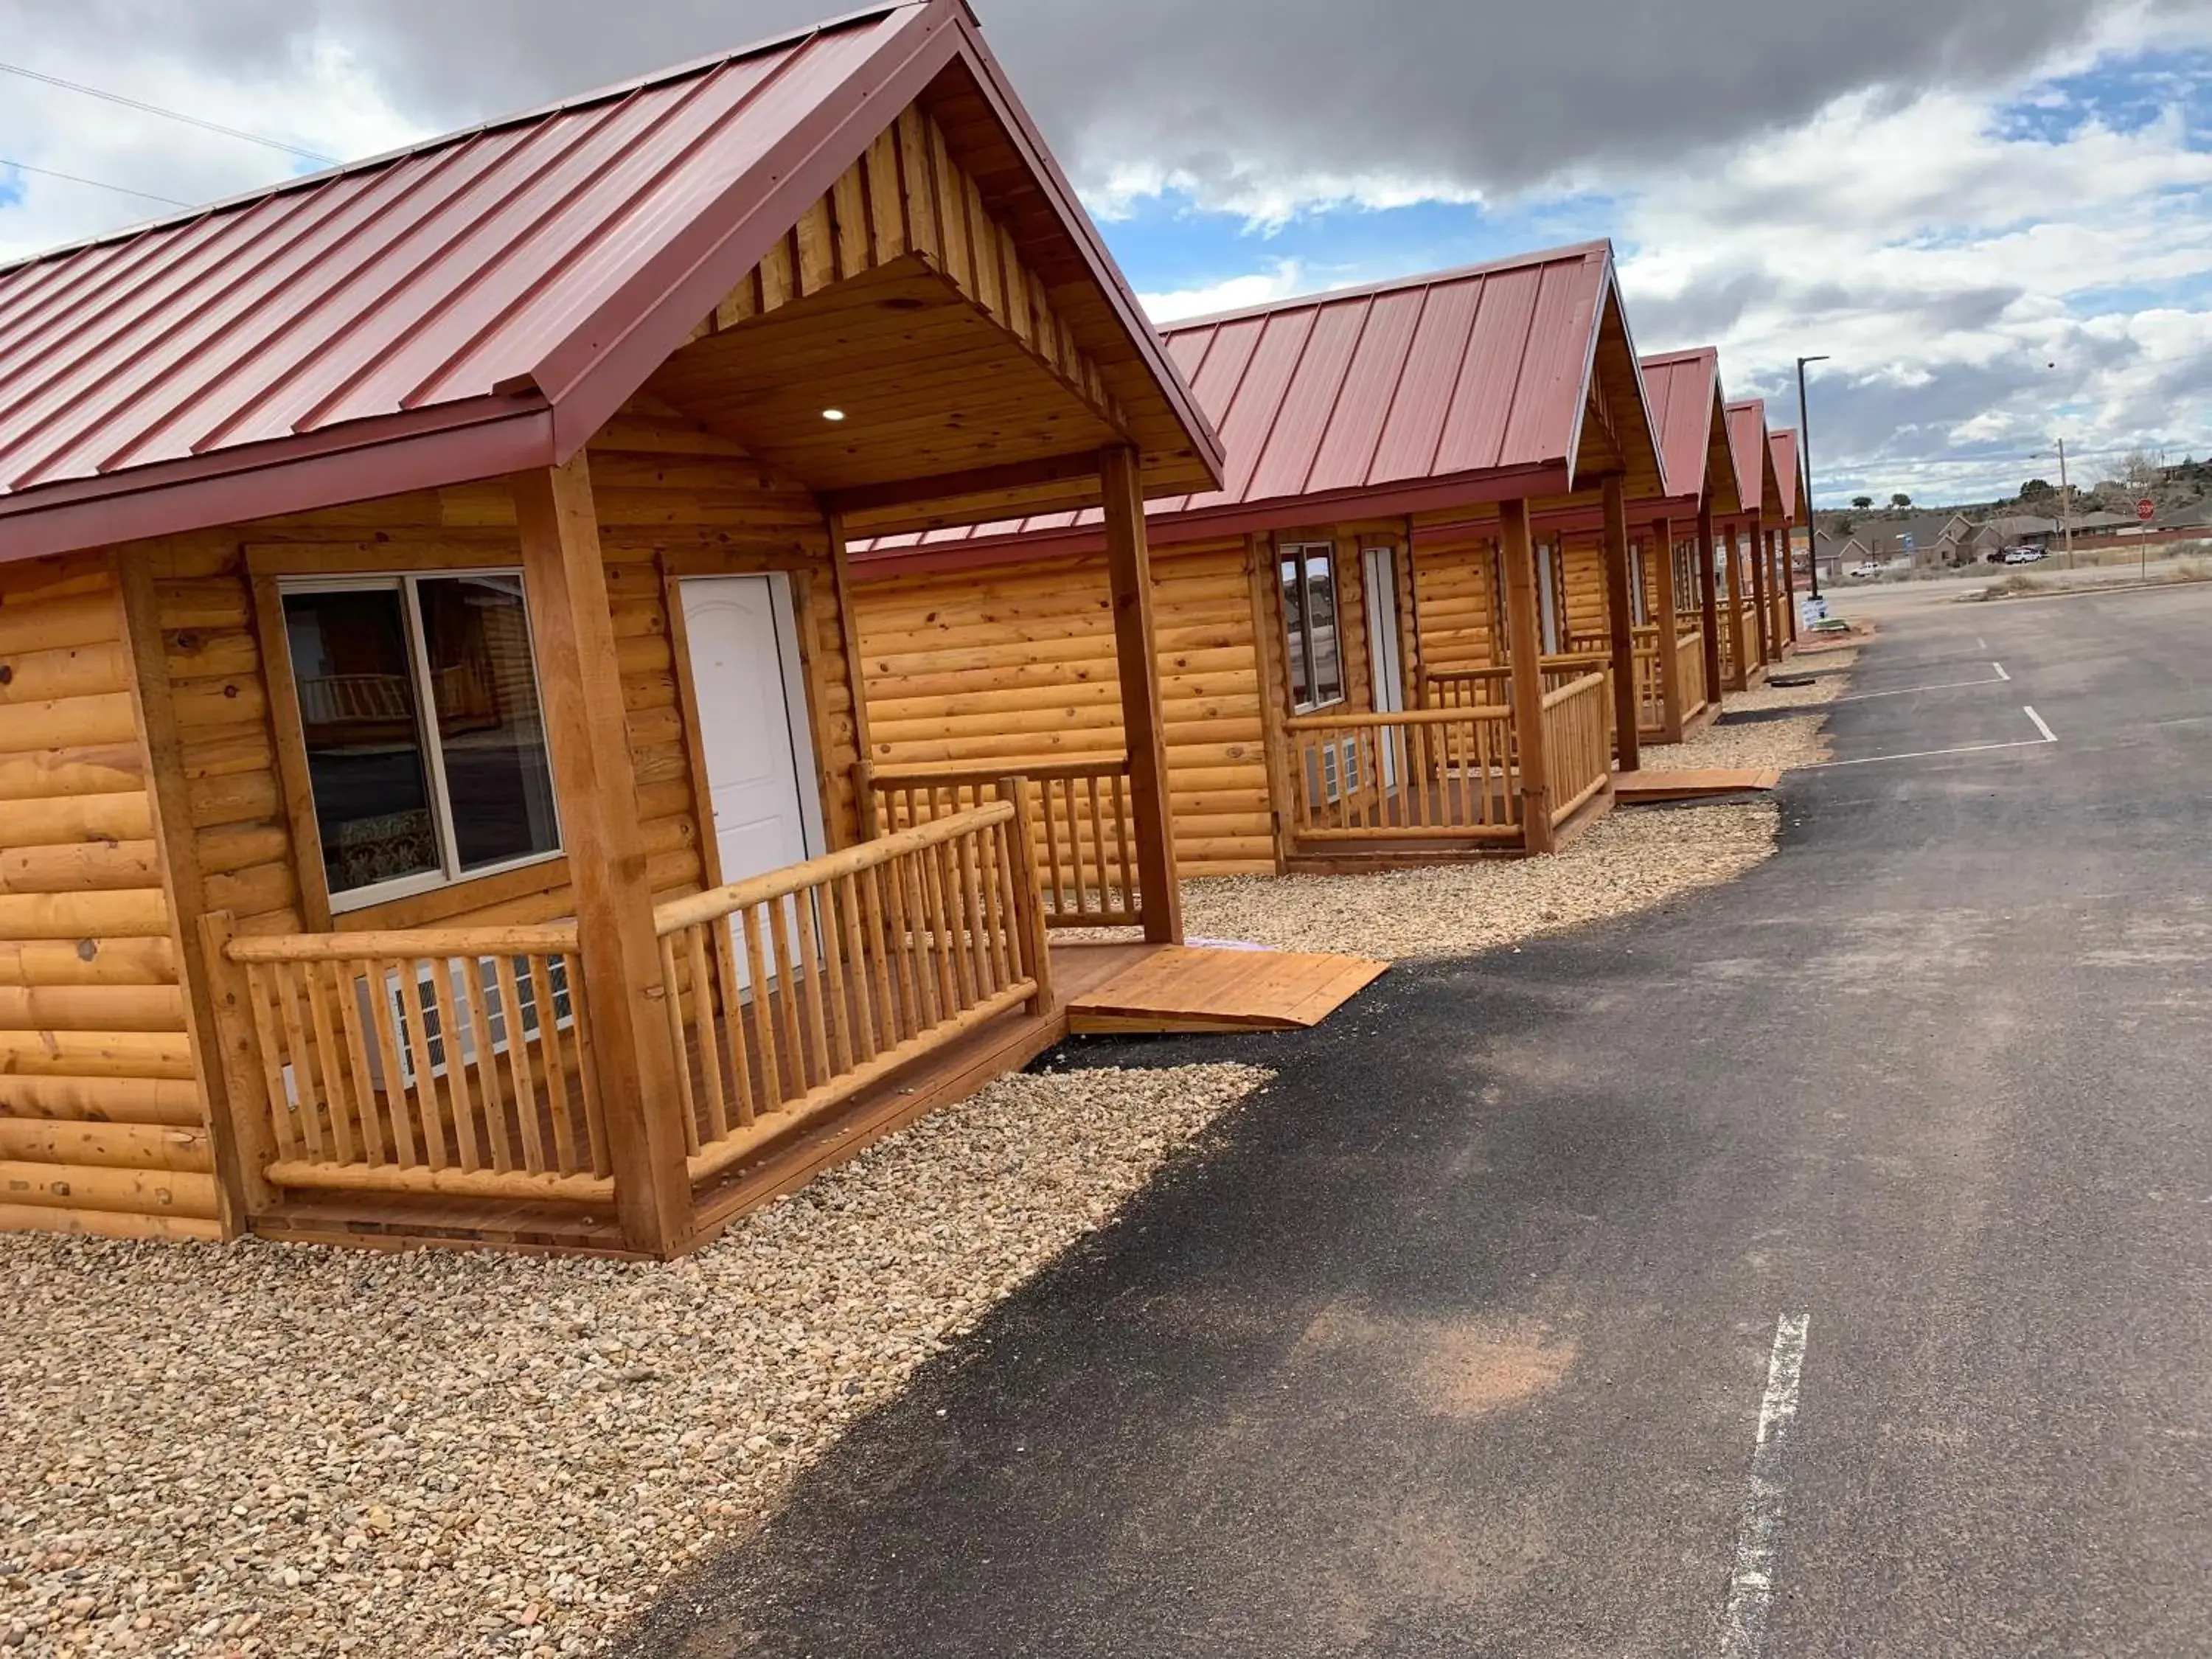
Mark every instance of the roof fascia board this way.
pixel 1168 529
pixel 194 496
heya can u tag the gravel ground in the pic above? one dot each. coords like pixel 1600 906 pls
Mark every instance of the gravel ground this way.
pixel 1791 741
pixel 1627 861
pixel 1830 665
pixel 296 1452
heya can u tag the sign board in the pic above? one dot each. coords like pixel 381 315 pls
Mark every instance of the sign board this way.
pixel 1905 541
pixel 2145 509
pixel 1811 611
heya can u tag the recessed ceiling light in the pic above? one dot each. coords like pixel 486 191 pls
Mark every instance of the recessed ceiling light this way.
pixel 833 414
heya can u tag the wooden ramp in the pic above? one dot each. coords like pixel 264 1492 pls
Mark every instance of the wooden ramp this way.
pixel 1643 788
pixel 1179 987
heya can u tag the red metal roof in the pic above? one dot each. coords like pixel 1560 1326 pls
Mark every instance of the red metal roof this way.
pixel 1683 387
pixel 1783 445
pixel 1754 464
pixel 475 304
pixel 1425 381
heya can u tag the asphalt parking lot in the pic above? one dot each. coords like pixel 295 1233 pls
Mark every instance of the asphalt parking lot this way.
pixel 1465 1337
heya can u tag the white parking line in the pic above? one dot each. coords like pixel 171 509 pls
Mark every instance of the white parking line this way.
pixel 1980 644
pixel 1759 1536
pixel 1945 685
pixel 2048 738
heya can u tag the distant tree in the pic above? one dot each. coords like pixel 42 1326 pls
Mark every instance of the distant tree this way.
pixel 1862 502
pixel 1844 526
pixel 1900 501
pixel 2036 490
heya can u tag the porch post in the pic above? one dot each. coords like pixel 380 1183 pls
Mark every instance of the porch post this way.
pixel 1620 624
pixel 1708 606
pixel 1524 649
pixel 1670 655
pixel 1762 612
pixel 1740 677
pixel 1788 588
pixel 1136 658
pixel 566 588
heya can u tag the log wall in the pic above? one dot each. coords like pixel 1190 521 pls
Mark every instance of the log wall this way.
pixel 102 1118
pixel 1014 662
pixel 1456 581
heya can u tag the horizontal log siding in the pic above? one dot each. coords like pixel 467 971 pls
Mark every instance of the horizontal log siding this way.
pixel 1584 571
pixel 102 1122
pixel 1456 582
pixel 992 667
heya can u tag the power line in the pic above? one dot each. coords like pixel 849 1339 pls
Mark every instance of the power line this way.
pixel 173 115
pixel 120 190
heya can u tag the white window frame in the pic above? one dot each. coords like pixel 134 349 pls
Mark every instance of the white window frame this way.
pixel 1301 641
pixel 449 872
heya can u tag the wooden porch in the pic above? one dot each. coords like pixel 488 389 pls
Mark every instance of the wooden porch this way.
pixel 450 1086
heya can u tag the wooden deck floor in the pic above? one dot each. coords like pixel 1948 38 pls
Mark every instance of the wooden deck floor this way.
pixel 1184 988
pixel 1643 788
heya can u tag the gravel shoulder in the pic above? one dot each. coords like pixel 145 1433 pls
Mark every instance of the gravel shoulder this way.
pixel 276 1449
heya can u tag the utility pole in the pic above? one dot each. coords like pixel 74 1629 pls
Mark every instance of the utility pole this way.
pixel 1805 457
pixel 2065 505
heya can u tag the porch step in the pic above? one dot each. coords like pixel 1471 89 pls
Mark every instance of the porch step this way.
pixel 1176 987
pixel 1643 788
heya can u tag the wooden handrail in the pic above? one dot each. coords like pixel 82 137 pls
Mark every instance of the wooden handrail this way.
pixel 677 915
pixel 1553 698
pixel 886 780
pixel 1473 711
pixel 551 939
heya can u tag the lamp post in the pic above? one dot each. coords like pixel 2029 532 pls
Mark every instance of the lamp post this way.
pixel 1805 460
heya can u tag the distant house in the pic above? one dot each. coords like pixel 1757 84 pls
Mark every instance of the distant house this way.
pixel 2013 530
pixel 1923 539
pixel 1836 554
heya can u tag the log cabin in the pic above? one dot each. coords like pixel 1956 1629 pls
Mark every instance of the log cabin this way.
pixel 1369 638
pixel 429 714
pixel 1789 481
pixel 1752 542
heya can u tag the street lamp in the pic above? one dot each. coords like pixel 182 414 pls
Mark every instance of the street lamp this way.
pixel 1805 459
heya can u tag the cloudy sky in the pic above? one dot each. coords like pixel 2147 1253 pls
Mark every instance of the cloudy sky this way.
pixel 1995 215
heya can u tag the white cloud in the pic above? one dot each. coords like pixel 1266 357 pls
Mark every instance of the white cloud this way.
pixel 325 103
pixel 1233 294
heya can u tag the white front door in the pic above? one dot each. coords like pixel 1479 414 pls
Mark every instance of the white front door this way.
pixel 1386 666
pixel 753 730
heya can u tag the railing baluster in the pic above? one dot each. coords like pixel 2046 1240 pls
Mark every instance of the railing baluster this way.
pixel 858 937
pixel 804 915
pixel 757 981
pixel 395 1069
pixel 307 1084
pixel 491 1088
pixel 710 1047
pixel 587 1075
pixel 671 1004
pixel 452 989
pixel 272 1065
pixel 337 1084
pixel 555 1069
pixel 517 1063
pixel 417 1037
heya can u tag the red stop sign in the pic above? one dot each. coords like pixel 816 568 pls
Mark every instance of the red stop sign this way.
pixel 2145 509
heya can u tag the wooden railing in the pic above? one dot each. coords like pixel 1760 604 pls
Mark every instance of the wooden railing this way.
pixel 1690 660
pixel 1437 773
pixel 1577 744
pixel 1650 684
pixel 1083 832
pixel 454 1062
pixel 1475 688
pixel 790 992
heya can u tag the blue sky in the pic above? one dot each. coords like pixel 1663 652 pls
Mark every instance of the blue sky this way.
pixel 1994 216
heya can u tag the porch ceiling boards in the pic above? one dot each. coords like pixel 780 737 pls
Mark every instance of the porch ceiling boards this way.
pixel 482 303
pixel 1450 391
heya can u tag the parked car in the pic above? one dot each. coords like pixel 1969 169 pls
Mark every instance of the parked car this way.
pixel 1865 571
pixel 2022 555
